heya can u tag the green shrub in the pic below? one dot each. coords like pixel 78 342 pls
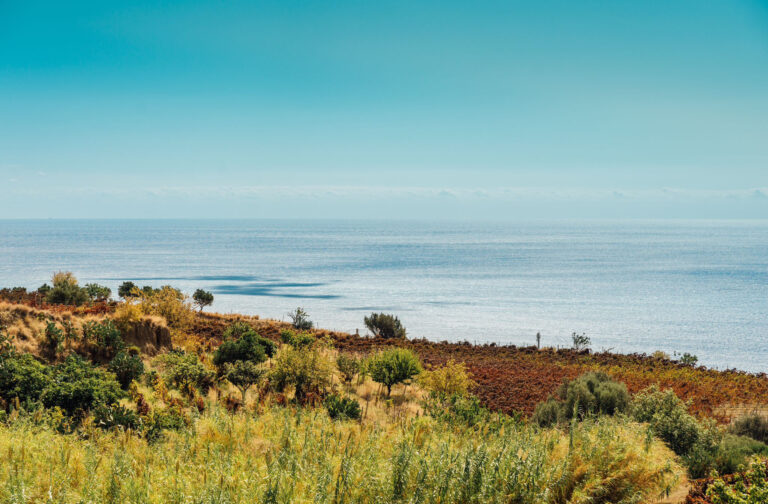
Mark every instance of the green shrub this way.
pixel 342 408
pixel 581 341
pixel 457 409
pixel 202 298
pixel 66 291
pixel 247 347
pixel 106 335
pixel 300 319
pixel 297 340
pixel 127 368
pixel 97 292
pixel 53 337
pixel 748 488
pixel 348 366
pixel 308 370
pixel 735 451
pixel 240 329
pixel 186 372
pixel 393 366
pixel 22 377
pixel 109 416
pixel 77 386
pixel 126 290
pixel 752 425
pixel 689 359
pixel 588 395
pixel 383 325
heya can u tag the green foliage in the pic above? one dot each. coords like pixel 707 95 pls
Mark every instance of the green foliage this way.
pixel 126 368
pixel 348 366
pixel 185 371
pixel 22 377
pixel 457 409
pixel 384 325
pixel 53 337
pixel 106 335
pixel 342 408
pixel 202 298
pixel 689 359
pixel 126 290
pixel 588 395
pixel 753 425
pixel 581 341
pixel 307 369
pixel 110 416
pixel 247 347
pixel 240 329
pixel 67 293
pixel 748 488
pixel 735 451
pixel 78 386
pixel 393 366
pixel 300 319
pixel 97 292
pixel 297 340
pixel 696 442
pixel 243 375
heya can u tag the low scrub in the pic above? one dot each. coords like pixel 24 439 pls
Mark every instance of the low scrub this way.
pixel 589 395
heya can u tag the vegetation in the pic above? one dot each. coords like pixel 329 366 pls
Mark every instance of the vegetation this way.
pixel 751 487
pixel 753 425
pixel 342 408
pixel 581 341
pixel 448 380
pixel 127 290
pixel 348 366
pixel 243 375
pixel 383 325
pixel 589 395
pixel 297 340
pixel 202 298
pixel 306 369
pixel 393 366
pixel 300 319
pixel 126 367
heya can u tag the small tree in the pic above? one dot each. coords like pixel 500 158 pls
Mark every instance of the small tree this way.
pixel 65 290
pixel 239 329
pixel 97 292
pixel 581 341
pixel 126 290
pixel 393 366
pixel 243 375
pixel 383 325
pixel 348 366
pixel 307 369
pixel 246 348
pixel 202 298
pixel 448 380
pixel 300 319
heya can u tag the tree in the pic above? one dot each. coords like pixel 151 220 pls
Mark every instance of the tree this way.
pixel 243 375
pixel 77 386
pixel 126 290
pixel 383 325
pixel 448 380
pixel 97 292
pixel 202 298
pixel 307 369
pixel 393 366
pixel 65 290
pixel 246 348
pixel 126 368
pixel 239 329
pixel 348 366
pixel 580 341
pixel 300 319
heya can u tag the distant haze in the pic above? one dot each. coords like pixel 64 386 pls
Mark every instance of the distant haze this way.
pixel 426 110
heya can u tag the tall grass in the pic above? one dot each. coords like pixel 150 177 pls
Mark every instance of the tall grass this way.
pixel 286 456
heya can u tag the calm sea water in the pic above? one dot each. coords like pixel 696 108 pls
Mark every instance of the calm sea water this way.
pixel 698 287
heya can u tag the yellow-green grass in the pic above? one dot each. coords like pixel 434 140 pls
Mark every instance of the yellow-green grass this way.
pixel 287 455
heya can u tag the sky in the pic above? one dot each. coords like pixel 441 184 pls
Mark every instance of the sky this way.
pixel 392 109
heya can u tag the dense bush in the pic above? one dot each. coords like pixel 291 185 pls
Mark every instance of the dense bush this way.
pixel 202 298
pixel 107 337
pixel 300 319
pixel 239 329
pixel 22 377
pixel 297 340
pixel 77 386
pixel 342 408
pixel 65 290
pixel 308 370
pixel 753 425
pixel 127 290
pixel 588 395
pixel 393 366
pixel 53 337
pixel 186 372
pixel 383 325
pixel 734 452
pixel 247 347
pixel 97 292
pixel 109 416
pixel 348 366
pixel 748 488
pixel 126 368
pixel 695 441
pixel 169 303
pixel 450 379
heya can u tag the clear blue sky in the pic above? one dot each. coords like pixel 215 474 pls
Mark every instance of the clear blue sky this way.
pixel 488 110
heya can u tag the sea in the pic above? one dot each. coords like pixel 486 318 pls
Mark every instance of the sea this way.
pixel 698 287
